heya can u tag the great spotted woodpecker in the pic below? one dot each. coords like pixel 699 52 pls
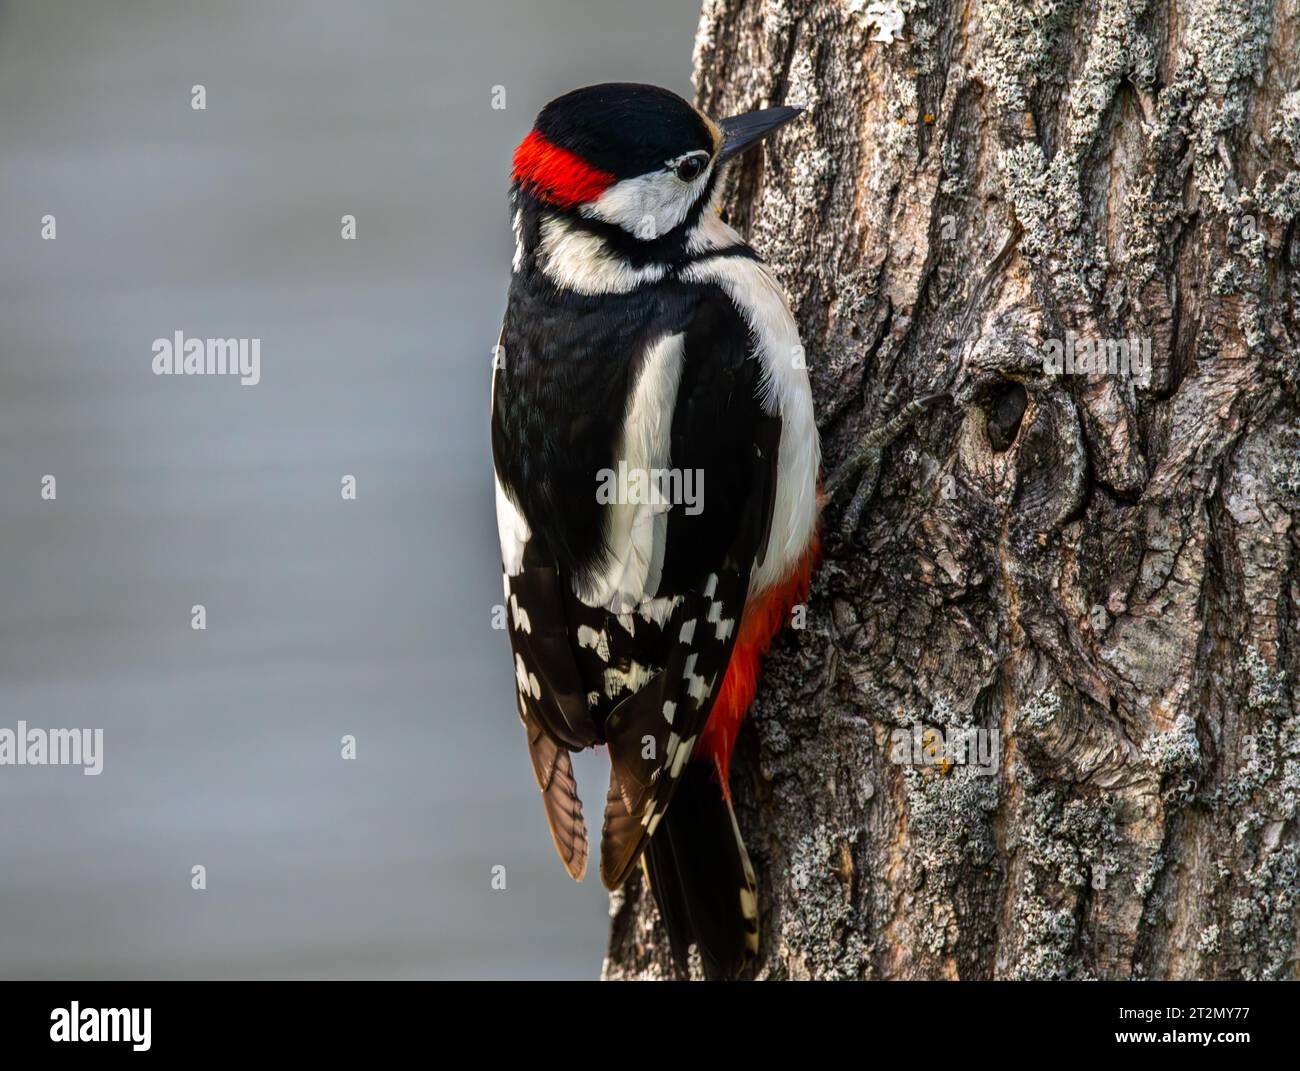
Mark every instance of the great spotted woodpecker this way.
pixel 643 336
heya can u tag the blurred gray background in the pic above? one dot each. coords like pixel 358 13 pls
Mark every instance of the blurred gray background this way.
pixel 325 617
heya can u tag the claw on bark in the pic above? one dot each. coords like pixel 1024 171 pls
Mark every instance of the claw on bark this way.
pixel 866 456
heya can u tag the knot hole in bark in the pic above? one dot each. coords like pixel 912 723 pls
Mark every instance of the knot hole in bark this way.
pixel 1006 409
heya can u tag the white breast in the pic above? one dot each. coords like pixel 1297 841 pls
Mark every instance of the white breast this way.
pixel 786 393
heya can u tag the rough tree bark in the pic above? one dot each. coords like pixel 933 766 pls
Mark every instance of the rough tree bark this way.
pixel 1103 568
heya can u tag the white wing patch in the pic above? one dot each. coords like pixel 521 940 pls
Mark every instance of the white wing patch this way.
pixel 513 531
pixel 527 681
pixel 519 616
pixel 636 678
pixel 684 750
pixel 597 641
pixel 636 532
pixel 658 611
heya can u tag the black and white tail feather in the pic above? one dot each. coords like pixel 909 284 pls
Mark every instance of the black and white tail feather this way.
pixel 702 880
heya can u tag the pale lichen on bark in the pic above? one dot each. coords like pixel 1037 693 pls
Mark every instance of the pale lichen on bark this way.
pixel 1115 588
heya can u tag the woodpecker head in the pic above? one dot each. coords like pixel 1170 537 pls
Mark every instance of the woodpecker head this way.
pixel 633 157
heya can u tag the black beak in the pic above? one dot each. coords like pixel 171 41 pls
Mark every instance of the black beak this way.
pixel 742 131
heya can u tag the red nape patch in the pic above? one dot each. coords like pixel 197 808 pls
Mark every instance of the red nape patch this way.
pixel 764 617
pixel 557 175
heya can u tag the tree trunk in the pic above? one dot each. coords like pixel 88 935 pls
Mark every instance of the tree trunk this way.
pixel 1098 570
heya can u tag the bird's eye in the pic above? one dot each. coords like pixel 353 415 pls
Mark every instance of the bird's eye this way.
pixel 689 169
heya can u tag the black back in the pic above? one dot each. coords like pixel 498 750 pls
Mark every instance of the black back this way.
pixel 567 369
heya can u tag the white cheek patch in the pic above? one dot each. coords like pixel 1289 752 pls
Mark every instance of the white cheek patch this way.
pixel 710 233
pixel 648 206
pixel 582 262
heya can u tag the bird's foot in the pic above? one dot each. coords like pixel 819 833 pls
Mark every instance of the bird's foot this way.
pixel 861 469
